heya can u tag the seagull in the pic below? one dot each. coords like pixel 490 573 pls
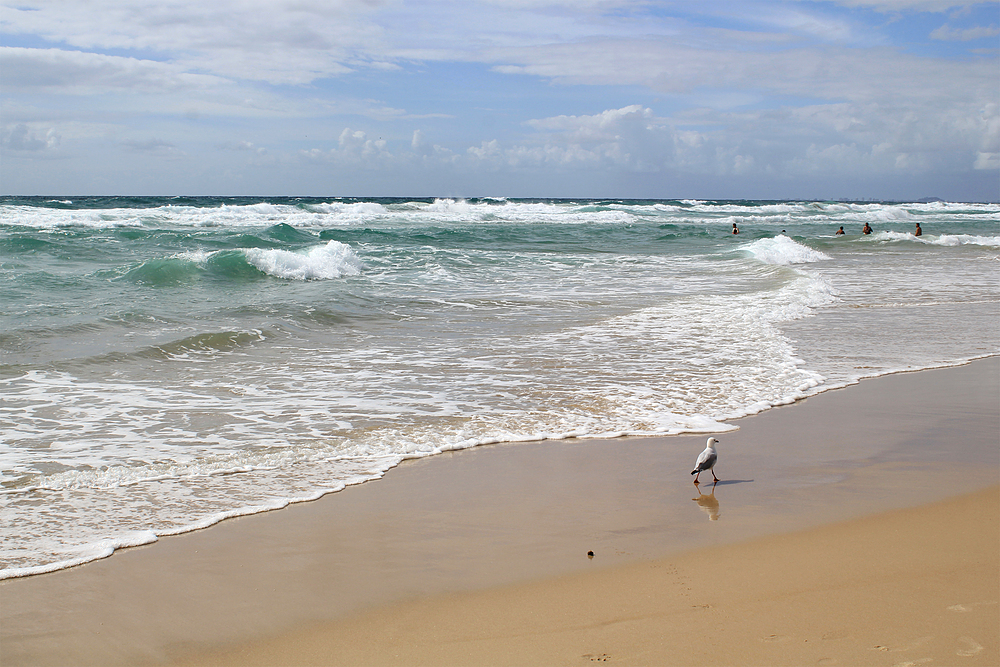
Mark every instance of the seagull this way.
pixel 706 461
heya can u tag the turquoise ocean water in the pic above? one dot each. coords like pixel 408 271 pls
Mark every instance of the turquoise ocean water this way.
pixel 170 362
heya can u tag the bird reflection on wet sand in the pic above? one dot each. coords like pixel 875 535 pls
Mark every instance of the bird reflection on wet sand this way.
pixel 708 503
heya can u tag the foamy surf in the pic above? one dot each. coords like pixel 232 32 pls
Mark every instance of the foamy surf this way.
pixel 782 251
pixel 333 260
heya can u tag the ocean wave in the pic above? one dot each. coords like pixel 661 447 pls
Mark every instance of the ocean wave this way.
pixel 941 240
pixel 224 341
pixel 349 211
pixel 451 206
pixel 67 218
pixel 462 210
pixel 754 220
pixel 964 239
pixel 333 260
pixel 165 271
pixel 781 250
pixel 286 233
pixel 189 267
pixel 745 208
pixel 334 214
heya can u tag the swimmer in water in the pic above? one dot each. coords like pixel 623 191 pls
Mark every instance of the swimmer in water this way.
pixel 919 231
pixel 735 230
pixel 840 231
pixel 866 229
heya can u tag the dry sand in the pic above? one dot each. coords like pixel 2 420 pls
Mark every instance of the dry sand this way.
pixel 479 557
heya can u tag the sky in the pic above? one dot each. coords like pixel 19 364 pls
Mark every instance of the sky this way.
pixel 775 99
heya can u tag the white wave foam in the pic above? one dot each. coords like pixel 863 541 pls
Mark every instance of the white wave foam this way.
pixel 47 218
pixel 87 553
pixel 782 251
pixel 737 209
pixel 460 207
pixel 525 212
pixel 963 239
pixel 336 213
pixel 754 219
pixel 333 260
pixel 893 236
pixel 350 211
pixel 199 257
pixel 106 547
pixel 942 240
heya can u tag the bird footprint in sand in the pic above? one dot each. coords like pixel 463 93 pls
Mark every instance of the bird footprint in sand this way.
pixel 603 657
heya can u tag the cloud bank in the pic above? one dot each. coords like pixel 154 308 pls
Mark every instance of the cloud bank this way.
pixel 526 98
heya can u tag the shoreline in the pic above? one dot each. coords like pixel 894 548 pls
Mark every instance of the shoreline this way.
pixel 210 522
pixel 496 516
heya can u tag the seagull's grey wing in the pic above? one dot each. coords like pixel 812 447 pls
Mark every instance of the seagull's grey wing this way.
pixel 706 460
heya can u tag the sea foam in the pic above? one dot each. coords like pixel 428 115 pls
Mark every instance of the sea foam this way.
pixel 965 239
pixel 782 251
pixel 333 260
pixel 942 240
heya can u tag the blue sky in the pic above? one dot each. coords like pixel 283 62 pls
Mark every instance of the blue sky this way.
pixel 881 99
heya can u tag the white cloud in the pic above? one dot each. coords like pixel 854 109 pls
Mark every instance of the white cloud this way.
pixel 200 44
pixel 789 21
pixel 149 145
pixel 604 126
pixel 840 139
pixel 629 138
pixel 278 42
pixel 300 41
pixel 353 148
pixel 357 144
pixel 987 161
pixel 946 32
pixel 830 73
pixel 76 72
pixel 22 138
pixel 419 142
pixel 936 6
pixel 488 151
pixel 990 119
pixel 243 146
pixel 420 146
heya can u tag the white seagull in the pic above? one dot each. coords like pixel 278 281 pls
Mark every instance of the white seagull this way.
pixel 706 461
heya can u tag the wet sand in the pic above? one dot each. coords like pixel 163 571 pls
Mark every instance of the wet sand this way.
pixel 911 587
pixel 426 557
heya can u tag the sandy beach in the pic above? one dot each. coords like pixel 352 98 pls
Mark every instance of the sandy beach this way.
pixel 860 526
pixel 909 587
